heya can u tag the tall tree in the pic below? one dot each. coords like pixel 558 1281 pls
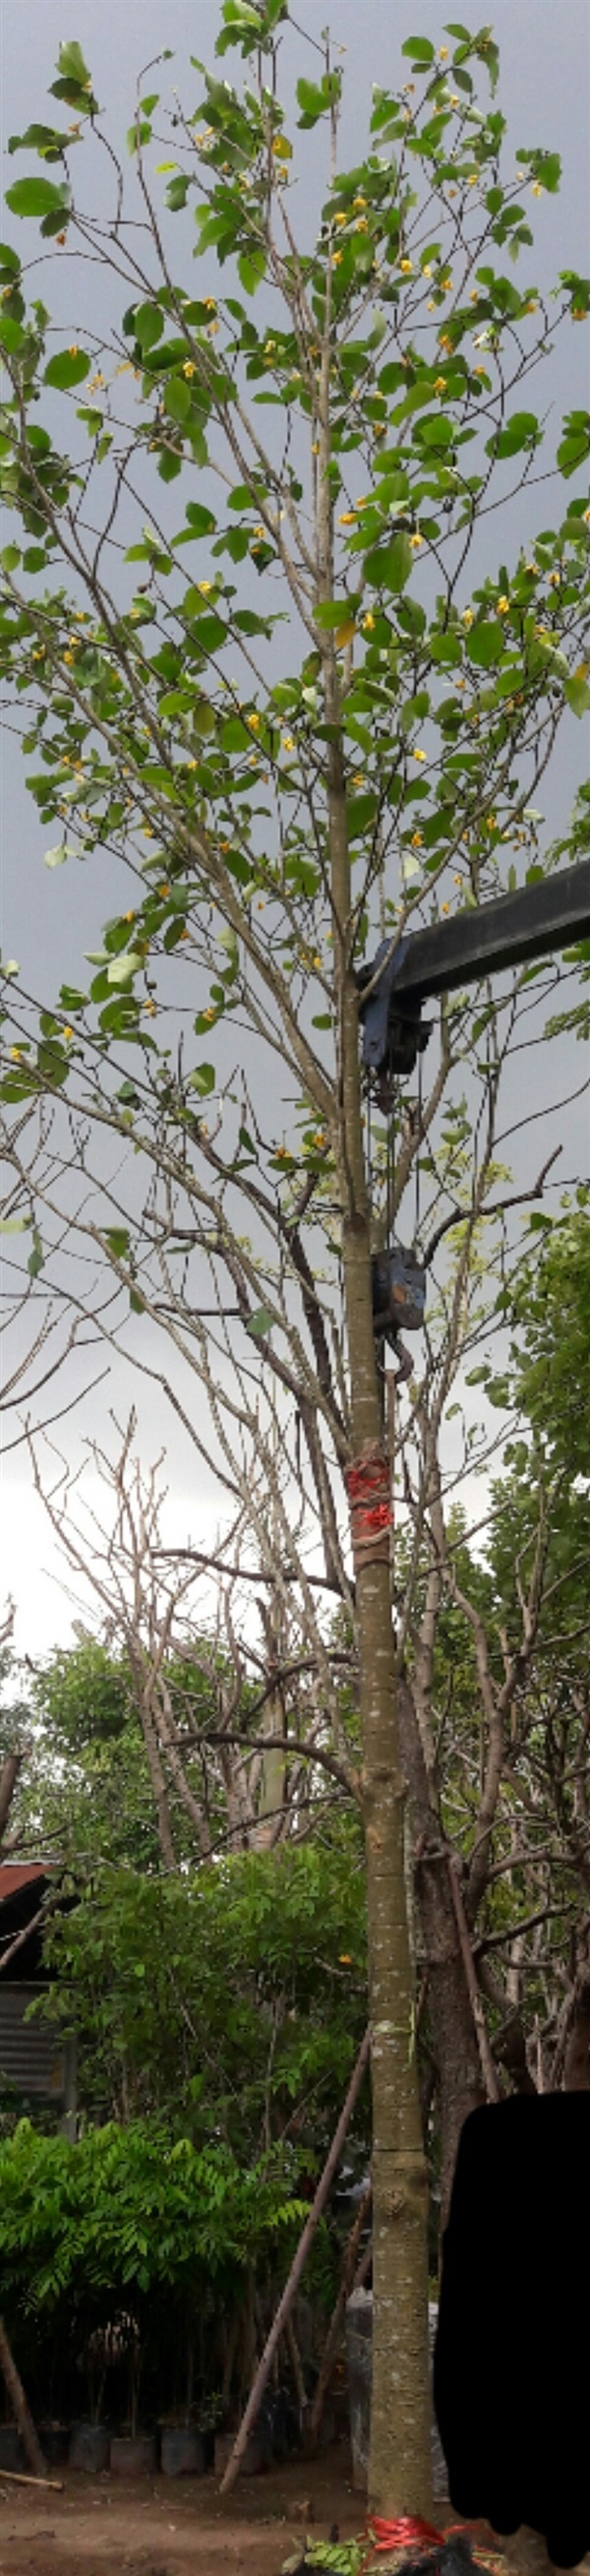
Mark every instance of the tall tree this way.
pixel 401 757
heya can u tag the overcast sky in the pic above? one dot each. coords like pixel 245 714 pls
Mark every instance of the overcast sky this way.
pixel 49 919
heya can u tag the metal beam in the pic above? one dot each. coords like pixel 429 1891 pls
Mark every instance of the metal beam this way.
pixel 539 918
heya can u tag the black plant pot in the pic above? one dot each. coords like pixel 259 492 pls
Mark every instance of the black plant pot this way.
pixel 55 2443
pixel 133 2455
pixel 89 2448
pixel 11 2449
pixel 182 2452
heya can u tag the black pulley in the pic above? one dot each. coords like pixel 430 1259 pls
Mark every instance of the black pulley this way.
pixel 399 1292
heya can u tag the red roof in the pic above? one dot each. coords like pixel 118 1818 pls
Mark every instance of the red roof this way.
pixel 15 1874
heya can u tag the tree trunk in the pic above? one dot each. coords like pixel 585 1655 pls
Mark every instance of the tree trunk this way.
pixel 400 2474
pixel 23 2418
pixel 461 2087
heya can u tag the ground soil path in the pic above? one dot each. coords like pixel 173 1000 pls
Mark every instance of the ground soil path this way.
pixel 181 2527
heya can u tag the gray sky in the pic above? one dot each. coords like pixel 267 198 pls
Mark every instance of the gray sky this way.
pixel 49 919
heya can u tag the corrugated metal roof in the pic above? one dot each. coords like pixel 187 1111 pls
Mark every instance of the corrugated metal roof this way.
pixel 32 2054
pixel 15 1874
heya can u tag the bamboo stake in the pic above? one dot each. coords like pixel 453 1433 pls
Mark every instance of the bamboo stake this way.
pixel 18 2478
pixel 21 2411
pixel 297 2266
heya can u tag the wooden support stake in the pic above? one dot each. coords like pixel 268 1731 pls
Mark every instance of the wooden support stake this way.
pixel 15 2392
pixel 297 2266
pixel 18 2479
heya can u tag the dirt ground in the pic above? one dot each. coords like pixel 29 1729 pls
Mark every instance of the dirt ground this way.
pixel 160 2526
pixel 179 2526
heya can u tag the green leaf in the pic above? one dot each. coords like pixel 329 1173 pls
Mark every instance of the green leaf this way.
pixel 260 1322
pixel 68 368
pixel 333 613
pixel 202 1080
pixel 521 431
pixel 149 325
pixel 177 398
pixel 419 49
pixel 72 65
pixel 14 1224
pixel 9 558
pixel 117 1238
pixel 55 858
pixel 36 1260
pixel 360 813
pixel 315 99
pixel 251 270
pixel 121 969
pixel 388 567
pixel 485 645
pixel 577 693
pixel 35 197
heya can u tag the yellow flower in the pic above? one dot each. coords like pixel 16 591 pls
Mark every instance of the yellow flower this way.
pixel 378 428
pixel 67 1033
pixel 586 517
pixel 446 284
pixel 16 1054
pixel 473 178
pixel 319 1139
pixel 369 621
pixel 537 189
pixel 188 368
pixel 467 618
pixel 361 226
pixel 416 540
pixel 316 447
pixel 288 743
pixel 358 778
pixel 531 307
pixel 479 371
pixel 210 303
pixel 579 312
pixel 443 53
pixel 210 1014
pixel 443 340
pixel 474 295
pixel 418 755
pixel 416 842
pixel 502 607
pixel 129 916
pixel 150 1007
pixel 68 657
pixel 163 889
pixel 336 258
pixel 347 519
pixel 440 384
pixel 427 272
pixel 406 266
pixel 205 587
pixel 430 304
pixel 445 907
pixel 490 822
pixel 341 219
pixel 357 203
pixel 73 352
pixel 254 722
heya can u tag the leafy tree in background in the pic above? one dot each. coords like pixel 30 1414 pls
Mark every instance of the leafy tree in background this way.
pixel 395 764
